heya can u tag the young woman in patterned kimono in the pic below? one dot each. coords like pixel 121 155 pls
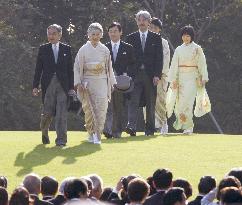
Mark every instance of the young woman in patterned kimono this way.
pixel 160 107
pixel 94 79
pixel 187 76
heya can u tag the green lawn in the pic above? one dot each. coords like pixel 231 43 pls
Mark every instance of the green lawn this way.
pixel 189 157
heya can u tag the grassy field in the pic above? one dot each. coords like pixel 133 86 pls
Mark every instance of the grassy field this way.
pixel 189 157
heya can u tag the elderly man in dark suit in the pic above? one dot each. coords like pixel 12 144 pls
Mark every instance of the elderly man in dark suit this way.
pixel 54 69
pixel 122 61
pixel 148 69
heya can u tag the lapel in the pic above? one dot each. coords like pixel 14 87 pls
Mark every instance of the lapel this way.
pixel 147 41
pixel 60 53
pixel 137 34
pixel 120 51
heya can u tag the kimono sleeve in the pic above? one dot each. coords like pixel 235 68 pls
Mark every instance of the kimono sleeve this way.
pixel 78 67
pixel 202 65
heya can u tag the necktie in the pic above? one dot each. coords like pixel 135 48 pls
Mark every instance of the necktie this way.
pixel 55 52
pixel 115 52
pixel 143 41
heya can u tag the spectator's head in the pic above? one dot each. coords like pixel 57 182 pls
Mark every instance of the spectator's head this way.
pixel 3 196
pixel 187 34
pixel 106 192
pixel 151 183
pixel 3 182
pixel 155 25
pixel 229 195
pixel 206 184
pixel 228 181
pixel 49 186
pixel 63 184
pixel 32 183
pixel 183 183
pixel 20 196
pixel 89 184
pixel 138 190
pixel 162 178
pixel 97 185
pixel 236 172
pixel 174 196
pixel 75 188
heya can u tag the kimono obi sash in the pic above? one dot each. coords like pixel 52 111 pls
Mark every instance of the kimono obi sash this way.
pixel 187 68
pixel 94 69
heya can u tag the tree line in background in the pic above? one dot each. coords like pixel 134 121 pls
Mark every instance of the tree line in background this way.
pixel 23 23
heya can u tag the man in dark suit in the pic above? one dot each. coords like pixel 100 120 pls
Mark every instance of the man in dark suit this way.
pixel 162 180
pixel 206 184
pixel 148 68
pixel 55 71
pixel 122 61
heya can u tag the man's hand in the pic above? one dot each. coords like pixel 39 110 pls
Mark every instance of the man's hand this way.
pixel 71 92
pixel 156 80
pixel 35 92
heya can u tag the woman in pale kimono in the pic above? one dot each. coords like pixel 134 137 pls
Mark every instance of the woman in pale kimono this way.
pixel 94 79
pixel 187 76
pixel 160 107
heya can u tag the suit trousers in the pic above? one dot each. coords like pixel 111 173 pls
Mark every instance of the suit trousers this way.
pixel 113 123
pixel 143 88
pixel 55 105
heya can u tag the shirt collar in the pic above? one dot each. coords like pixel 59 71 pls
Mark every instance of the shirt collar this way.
pixel 146 33
pixel 57 45
pixel 117 43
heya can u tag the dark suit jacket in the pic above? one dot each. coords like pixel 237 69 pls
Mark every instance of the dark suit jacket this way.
pixel 156 199
pixel 152 57
pixel 58 200
pixel 125 58
pixel 46 67
pixel 196 201
pixel 38 201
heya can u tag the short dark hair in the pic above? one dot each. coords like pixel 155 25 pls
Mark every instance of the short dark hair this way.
pixel 157 22
pixel 138 190
pixel 227 182
pixel 105 194
pixel 162 178
pixel 113 24
pixel 49 185
pixel 236 172
pixel 231 195
pixel 3 196
pixel 183 183
pixel 206 184
pixel 75 188
pixel 188 30
pixel 173 195
pixel 20 196
pixel 3 181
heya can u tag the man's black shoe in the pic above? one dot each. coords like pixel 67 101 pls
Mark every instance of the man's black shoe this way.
pixel 130 131
pixel 45 139
pixel 60 145
pixel 107 135
pixel 149 133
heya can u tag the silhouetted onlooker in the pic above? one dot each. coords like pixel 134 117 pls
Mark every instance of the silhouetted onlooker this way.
pixel 183 183
pixel 20 196
pixel 49 187
pixel 3 196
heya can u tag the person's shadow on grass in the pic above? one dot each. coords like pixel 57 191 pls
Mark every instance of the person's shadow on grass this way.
pixel 42 155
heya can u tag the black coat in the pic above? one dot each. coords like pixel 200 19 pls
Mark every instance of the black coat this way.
pixel 156 199
pixel 125 58
pixel 58 200
pixel 38 201
pixel 196 201
pixel 46 67
pixel 152 57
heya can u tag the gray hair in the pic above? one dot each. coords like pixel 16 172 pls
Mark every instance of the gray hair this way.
pixel 96 181
pixel 63 184
pixel 32 183
pixel 55 26
pixel 144 14
pixel 93 27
